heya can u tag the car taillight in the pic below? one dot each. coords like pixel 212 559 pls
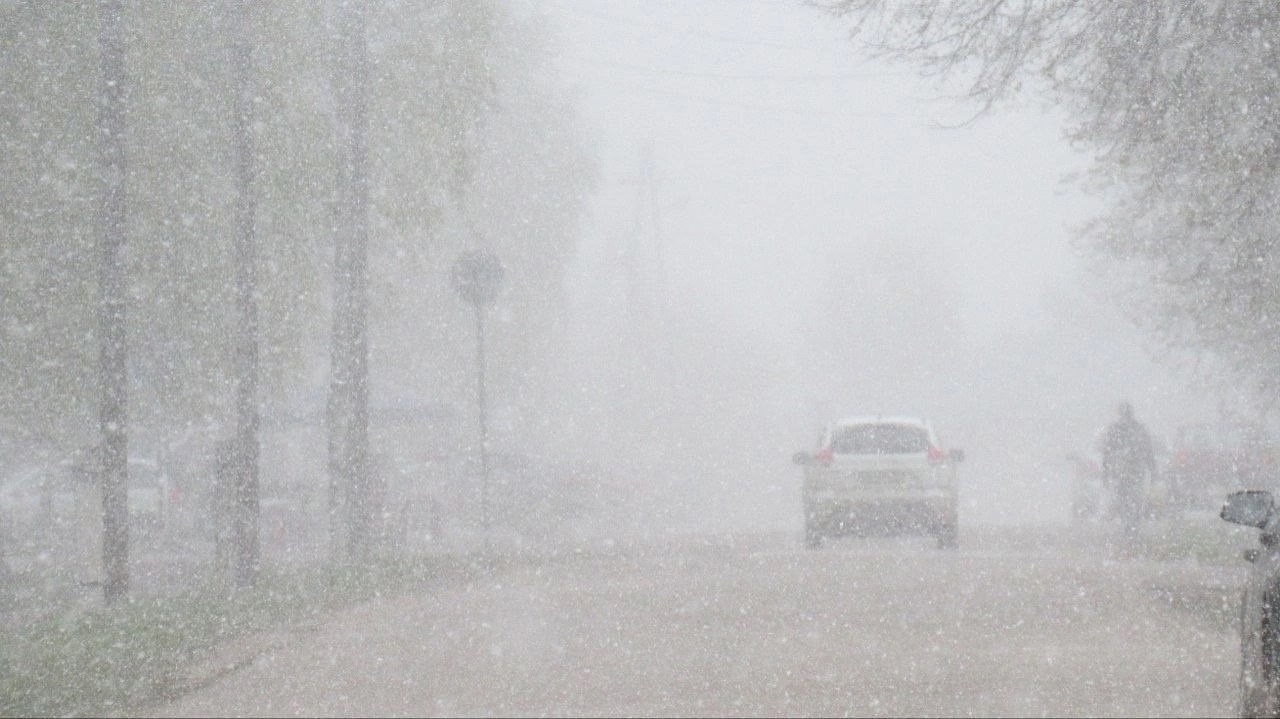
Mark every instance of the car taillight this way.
pixel 825 457
pixel 936 455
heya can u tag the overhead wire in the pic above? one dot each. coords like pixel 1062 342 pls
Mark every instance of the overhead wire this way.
pixel 632 23
pixel 633 86
pixel 675 72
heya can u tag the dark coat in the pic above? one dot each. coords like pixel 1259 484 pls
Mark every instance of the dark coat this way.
pixel 1127 453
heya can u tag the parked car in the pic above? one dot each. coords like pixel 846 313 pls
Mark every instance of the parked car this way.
pixel 36 494
pixel 1208 460
pixel 1260 607
pixel 884 475
pixel 536 497
pixel 34 500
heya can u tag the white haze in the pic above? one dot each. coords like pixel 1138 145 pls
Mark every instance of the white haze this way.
pixel 796 183
pixel 721 226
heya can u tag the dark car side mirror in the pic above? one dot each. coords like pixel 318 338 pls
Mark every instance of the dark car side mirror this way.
pixel 1252 508
pixel 803 459
pixel 956 455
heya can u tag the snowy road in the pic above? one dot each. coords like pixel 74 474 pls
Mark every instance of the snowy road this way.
pixel 762 627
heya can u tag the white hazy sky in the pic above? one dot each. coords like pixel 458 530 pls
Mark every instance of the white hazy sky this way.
pixel 773 139
pixel 775 142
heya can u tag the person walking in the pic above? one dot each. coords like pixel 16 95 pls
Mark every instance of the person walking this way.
pixel 1128 464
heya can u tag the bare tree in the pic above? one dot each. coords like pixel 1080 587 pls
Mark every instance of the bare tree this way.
pixel 1175 100
pixel 246 482
pixel 348 410
pixel 113 348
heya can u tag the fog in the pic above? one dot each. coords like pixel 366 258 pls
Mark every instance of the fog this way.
pixel 723 226
pixel 815 234
pixel 490 357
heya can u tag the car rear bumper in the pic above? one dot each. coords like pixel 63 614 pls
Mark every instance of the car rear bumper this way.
pixel 887 513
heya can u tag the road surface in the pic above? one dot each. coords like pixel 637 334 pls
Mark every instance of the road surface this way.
pixel 760 626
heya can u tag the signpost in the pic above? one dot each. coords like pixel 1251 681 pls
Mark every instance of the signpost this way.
pixel 476 276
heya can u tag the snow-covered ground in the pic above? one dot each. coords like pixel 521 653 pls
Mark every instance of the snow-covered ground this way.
pixel 1012 624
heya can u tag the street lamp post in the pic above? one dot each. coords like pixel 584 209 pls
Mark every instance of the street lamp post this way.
pixel 476 276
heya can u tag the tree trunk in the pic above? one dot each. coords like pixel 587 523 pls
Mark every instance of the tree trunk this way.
pixel 112 343
pixel 245 510
pixel 350 500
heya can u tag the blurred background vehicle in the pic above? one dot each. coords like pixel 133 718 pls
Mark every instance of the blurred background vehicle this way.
pixel 535 499
pixel 150 498
pixel 416 487
pixel 1208 460
pixel 35 503
pixel 1089 497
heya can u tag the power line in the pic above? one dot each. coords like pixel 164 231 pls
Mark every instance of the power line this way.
pixel 675 72
pixel 722 102
pixel 586 62
pixel 633 24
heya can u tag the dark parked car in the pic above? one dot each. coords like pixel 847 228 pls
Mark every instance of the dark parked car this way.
pixel 1260 608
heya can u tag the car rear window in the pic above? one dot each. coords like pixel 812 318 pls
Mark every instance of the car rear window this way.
pixel 879 439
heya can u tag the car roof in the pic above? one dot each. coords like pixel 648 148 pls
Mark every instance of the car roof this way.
pixel 882 419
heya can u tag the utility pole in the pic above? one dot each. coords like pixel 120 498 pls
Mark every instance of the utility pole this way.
pixel 643 265
pixel 246 504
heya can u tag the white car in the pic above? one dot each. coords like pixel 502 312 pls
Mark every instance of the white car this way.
pixel 884 475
